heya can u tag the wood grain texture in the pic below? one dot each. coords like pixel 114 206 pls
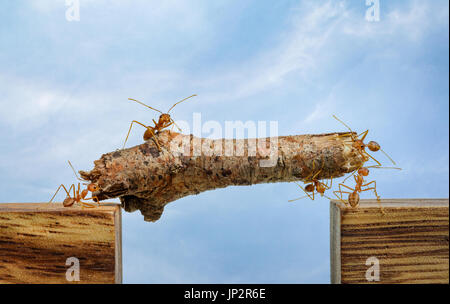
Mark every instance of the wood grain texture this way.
pixel 37 239
pixel 411 241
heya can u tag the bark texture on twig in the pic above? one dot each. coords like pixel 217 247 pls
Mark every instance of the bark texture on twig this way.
pixel 147 179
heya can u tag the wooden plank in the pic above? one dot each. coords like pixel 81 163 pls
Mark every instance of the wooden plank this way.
pixel 410 243
pixel 37 240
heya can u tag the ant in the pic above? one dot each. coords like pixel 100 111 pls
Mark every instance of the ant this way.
pixel 359 145
pixel 78 197
pixel 314 185
pixel 164 121
pixel 353 196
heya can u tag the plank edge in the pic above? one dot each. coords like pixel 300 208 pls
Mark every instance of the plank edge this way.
pixel 335 243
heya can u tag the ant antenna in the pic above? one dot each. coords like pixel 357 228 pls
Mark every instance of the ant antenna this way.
pixel 378 167
pixel 353 173
pixel 181 101
pixel 343 123
pixel 298 198
pixel 388 157
pixel 75 172
pixel 145 105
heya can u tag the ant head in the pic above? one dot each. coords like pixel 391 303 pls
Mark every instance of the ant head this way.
pixel 373 146
pixel 93 187
pixel 359 144
pixel 309 188
pixel 363 171
pixel 164 118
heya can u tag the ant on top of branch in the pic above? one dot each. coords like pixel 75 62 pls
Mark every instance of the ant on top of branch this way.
pixel 358 144
pixel 163 122
pixel 78 197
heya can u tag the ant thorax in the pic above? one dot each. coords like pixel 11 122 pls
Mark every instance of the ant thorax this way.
pixel 320 188
pixel 84 193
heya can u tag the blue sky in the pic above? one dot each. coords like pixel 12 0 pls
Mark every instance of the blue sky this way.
pixel 64 89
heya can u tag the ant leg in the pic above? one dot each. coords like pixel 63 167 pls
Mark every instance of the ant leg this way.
pixel 340 191
pixel 67 192
pixel 296 199
pixel 345 186
pixel 168 125
pixel 86 205
pixel 379 164
pixel 345 135
pixel 365 134
pixel 129 130
pixel 60 186
pixel 312 198
pixel 315 175
pixel 325 185
pixel 318 172
pixel 341 198
pixel 307 179
pixel 310 177
pixel 95 199
pixel 374 188
pixel 156 140
pixel 353 173
pixel 179 129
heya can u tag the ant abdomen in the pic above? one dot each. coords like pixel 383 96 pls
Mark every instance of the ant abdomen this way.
pixel 353 199
pixel 148 134
pixel 68 201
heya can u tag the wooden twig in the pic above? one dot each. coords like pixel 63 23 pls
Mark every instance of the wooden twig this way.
pixel 147 178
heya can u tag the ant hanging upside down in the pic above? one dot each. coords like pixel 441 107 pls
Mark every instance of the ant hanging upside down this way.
pixel 314 185
pixel 78 197
pixel 164 121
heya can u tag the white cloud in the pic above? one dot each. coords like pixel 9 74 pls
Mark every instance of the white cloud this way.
pixel 26 103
